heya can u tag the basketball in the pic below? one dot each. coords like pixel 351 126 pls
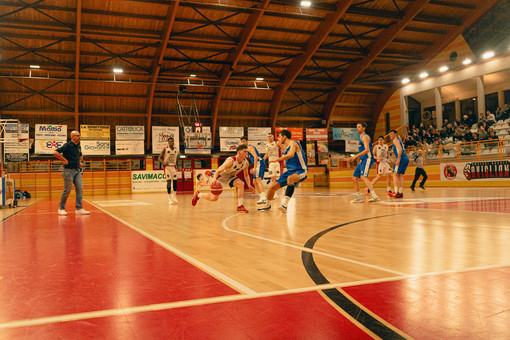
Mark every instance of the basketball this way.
pixel 216 188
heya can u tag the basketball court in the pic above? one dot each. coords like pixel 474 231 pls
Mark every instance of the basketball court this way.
pixel 432 265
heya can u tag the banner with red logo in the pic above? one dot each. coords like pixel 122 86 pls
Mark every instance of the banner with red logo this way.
pixel 496 170
pixel 317 134
pixel 297 133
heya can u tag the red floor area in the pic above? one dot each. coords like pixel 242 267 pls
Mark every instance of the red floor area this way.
pixel 469 305
pixel 54 265
pixel 296 316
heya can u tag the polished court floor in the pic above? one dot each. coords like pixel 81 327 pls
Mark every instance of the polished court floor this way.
pixel 434 265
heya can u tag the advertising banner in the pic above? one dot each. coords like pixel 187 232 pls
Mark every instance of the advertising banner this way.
pixel 258 133
pixel 297 133
pixel 229 144
pixel 47 147
pixel 317 134
pixel 95 132
pixel 231 131
pixel 50 132
pixel 129 147
pixel 16 152
pixel 351 146
pixel 310 152
pixel 129 132
pixel 147 181
pixel 160 135
pixel 497 170
pixel 95 147
pixel 345 134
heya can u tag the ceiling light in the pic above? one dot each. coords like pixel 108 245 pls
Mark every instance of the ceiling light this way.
pixel 259 79
pixel 488 54
pixel 35 66
pixel 424 75
pixel 405 80
pixel 192 75
pixel 443 68
pixel 118 70
pixel 467 61
pixel 306 3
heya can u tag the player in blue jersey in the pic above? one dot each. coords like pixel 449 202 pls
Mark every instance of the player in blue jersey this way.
pixel 401 162
pixel 259 166
pixel 366 156
pixel 297 170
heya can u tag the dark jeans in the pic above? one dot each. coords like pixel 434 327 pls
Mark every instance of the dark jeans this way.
pixel 419 172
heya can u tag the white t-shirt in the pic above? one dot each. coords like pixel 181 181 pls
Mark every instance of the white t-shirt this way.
pixel 170 157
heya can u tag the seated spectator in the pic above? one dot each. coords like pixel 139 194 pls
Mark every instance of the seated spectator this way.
pixel 498 113
pixel 416 137
pixel 474 137
pixel 449 130
pixel 482 134
pixel 468 137
pixel 458 135
pixel 491 119
pixel 410 143
pixel 482 117
pixel 434 134
pixel 492 135
pixel 492 141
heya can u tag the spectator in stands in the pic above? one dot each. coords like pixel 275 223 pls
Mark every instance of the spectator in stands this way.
pixel 482 134
pixel 482 117
pixel 498 113
pixel 471 118
pixel 457 135
pixel 416 138
pixel 435 134
pixel 505 112
pixel 474 137
pixel 468 136
pixel 491 119
pixel 410 142
pixel 492 135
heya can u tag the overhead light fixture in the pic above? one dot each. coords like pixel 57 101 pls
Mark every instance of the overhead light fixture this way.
pixel 35 66
pixel 306 3
pixel 259 79
pixel 192 75
pixel 467 61
pixel 405 81
pixel 118 70
pixel 488 54
pixel 424 75
pixel 443 68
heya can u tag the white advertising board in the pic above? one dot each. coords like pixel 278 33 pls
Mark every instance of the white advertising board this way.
pixel 258 133
pixel 494 170
pixel 231 131
pixel 129 147
pixel 129 132
pixel 46 147
pixel 146 181
pixel 229 144
pixel 351 146
pixel 160 135
pixel 95 147
pixel 50 132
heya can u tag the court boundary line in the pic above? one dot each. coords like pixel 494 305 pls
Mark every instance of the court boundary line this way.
pixel 217 299
pixel 309 250
pixel 211 271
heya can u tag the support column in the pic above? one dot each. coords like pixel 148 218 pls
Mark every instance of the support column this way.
pixel 457 110
pixel 480 93
pixel 439 107
pixel 501 99
pixel 404 112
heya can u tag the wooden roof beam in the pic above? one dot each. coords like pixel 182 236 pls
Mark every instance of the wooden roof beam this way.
pixel 77 67
pixel 158 60
pixel 348 77
pixel 298 63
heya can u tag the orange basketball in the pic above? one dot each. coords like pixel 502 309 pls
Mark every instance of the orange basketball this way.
pixel 216 188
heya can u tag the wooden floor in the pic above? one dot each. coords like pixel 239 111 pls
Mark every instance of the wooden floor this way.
pixel 432 265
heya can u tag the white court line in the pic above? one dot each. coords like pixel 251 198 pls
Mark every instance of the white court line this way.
pixel 224 224
pixel 218 299
pixel 238 286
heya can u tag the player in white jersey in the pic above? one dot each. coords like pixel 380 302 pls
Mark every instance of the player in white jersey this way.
pixel 169 156
pixel 259 167
pixel 226 174
pixel 272 154
pixel 381 153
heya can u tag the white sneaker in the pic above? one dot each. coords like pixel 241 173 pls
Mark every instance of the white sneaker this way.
pixel 373 198
pixel 82 212
pixel 174 198
pixel 62 212
pixel 358 200
pixel 170 201
pixel 262 201
pixel 283 208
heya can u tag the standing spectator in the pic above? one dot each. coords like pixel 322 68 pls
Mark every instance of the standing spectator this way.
pixel 71 157
pixel 420 171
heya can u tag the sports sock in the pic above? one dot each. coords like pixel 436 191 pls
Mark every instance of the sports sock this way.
pixel 400 190
pixel 262 195
pixel 388 188
pixel 200 195
pixel 285 200
pixel 396 189
pixel 240 201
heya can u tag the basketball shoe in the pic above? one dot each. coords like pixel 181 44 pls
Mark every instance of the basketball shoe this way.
pixel 174 197
pixel 262 201
pixel 389 193
pixel 397 195
pixel 358 199
pixel 373 198
pixel 265 208
pixel 283 208
pixel 241 208
pixel 195 198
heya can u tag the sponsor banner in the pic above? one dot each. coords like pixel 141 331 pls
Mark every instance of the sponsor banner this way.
pixel 297 133
pixel 50 132
pixel 229 144
pixel 129 132
pixel 148 181
pixel 351 146
pixel 15 131
pixel 16 152
pixel 46 147
pixel 160 135
pixel 258 133
pixel 322 146
pixel 317 134
pixel 345 134
pixel 129 147
pixel 476 171
pixel 231 131
pixel 310 152
pixel 95 147
pixel 95 132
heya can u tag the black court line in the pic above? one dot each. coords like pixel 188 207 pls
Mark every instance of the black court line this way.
pixel 17 212
pixel 342 301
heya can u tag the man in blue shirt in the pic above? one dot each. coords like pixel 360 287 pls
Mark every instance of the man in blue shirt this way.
pixel 72 159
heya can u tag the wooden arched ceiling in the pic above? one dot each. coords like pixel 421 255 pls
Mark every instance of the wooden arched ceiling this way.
pixel 331 63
